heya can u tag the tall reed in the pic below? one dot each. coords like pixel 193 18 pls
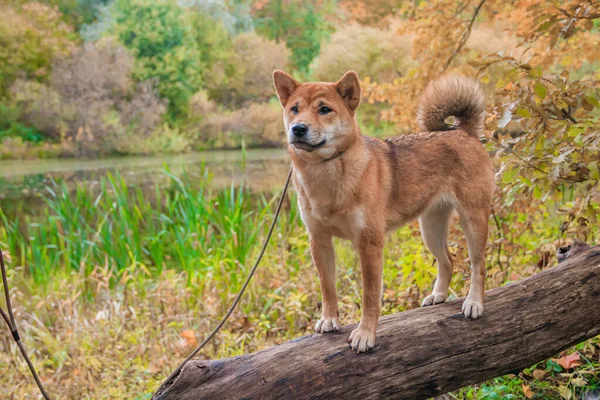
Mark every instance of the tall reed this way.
pixel 181 225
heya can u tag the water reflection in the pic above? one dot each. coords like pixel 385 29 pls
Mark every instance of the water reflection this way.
pixel 21 182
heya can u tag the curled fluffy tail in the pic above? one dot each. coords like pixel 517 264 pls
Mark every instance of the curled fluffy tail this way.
pixel 456 96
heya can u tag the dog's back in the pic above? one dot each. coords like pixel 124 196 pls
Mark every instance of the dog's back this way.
pixel 444 163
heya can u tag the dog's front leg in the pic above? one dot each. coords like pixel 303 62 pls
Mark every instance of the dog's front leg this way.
pixel 323 254
pixel 371 263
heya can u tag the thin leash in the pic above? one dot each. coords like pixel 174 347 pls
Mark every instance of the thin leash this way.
pixel 12 325
pixel 239 295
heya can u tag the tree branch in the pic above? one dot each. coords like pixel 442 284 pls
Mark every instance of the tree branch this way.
pixel 465 36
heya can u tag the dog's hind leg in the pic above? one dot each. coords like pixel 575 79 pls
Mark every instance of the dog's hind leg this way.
pixel 434 229
pixel 475 227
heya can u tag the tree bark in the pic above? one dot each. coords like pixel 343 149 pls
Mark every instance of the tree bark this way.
pixel 420 353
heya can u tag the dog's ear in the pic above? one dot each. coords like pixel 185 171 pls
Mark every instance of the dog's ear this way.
pixel 285 85
pixel 349 88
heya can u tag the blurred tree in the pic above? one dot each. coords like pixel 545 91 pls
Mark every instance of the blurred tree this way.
pixel 372 12
pixel 180 45
pixel 258 58
pixel 91 101
pixel 160 36
pixel 380 54
pixel 217 55
pixel 78 12
pixel 31 37
pixel 301 25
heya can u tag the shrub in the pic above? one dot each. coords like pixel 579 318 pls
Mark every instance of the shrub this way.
pixel 31 36
pixel 92 103
pixel 258 58
pixel 258 124
pixel 382 55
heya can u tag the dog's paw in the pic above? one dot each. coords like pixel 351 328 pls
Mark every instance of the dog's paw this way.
pixel 362 339
pixel 472 308
pixel 327 325
pixel 434 298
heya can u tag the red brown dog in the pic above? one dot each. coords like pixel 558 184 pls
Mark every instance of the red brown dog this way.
pixel 358 188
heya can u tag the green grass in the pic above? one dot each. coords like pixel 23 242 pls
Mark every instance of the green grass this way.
pixel 135 268
pixel 121 227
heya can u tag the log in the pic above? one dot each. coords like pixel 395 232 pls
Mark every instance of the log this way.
pixel 420 353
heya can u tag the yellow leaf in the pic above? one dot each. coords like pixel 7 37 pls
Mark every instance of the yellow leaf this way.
pixel 565 392
pixel 578 381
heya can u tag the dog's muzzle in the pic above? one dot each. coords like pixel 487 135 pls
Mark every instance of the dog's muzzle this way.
pixel 300 144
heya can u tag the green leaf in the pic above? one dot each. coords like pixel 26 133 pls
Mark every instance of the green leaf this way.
pixel 509 175
pixel 594 173
pixel 536 72
pixel 523 112
pixel 540 90
pixel 592 100
pixel 565 392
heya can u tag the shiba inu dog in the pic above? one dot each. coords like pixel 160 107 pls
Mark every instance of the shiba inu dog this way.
pixel 358 188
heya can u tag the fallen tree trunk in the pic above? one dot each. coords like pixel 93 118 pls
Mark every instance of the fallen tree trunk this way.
pixel 419 353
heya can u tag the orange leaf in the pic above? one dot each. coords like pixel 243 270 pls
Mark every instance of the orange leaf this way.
pixel 527 391
pixel 190 337
pixel 276 283
pixel 570 361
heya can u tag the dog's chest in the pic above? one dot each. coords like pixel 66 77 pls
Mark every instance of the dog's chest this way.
pixel 329 206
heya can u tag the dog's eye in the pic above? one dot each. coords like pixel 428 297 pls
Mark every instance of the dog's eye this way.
pixel 295 109
pixel 324 110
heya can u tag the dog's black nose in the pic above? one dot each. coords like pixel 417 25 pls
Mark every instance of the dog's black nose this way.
pixel 299 129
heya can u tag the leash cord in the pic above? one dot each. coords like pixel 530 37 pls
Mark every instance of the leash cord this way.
pixel 12 326
pixel 239 295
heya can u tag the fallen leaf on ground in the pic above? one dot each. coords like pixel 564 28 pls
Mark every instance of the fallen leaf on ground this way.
pixel 527 391
pixel 570 361
pixel 578 381
pixel 565 392
pixel 190 337
pixel 539 373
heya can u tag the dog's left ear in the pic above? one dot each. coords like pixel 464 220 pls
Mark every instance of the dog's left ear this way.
pixel 285 85
pixel 349 88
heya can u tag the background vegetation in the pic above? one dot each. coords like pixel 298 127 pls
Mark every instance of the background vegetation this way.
pixel 150 271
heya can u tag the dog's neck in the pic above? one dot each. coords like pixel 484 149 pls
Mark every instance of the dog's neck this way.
pixel 335 177
pixel 339 154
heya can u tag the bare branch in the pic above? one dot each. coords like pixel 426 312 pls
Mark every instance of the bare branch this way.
pixel 465 36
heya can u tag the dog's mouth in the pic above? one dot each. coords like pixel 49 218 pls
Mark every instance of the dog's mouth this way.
pixel 307 146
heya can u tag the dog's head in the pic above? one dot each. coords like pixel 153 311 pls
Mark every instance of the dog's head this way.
pixel 319 116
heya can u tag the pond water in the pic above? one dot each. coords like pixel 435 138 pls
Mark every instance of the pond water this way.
pixel 22 181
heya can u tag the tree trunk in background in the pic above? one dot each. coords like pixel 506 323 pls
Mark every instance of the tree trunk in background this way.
pixel 419 353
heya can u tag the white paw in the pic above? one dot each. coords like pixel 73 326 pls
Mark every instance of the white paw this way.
pixel 327 325
pixel 362 339
pixel 434 298
pixel 472 308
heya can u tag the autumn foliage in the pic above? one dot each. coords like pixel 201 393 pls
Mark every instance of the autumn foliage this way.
pixel 543 110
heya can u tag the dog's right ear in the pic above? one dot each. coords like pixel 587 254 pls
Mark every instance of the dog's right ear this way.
pixel 285 85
